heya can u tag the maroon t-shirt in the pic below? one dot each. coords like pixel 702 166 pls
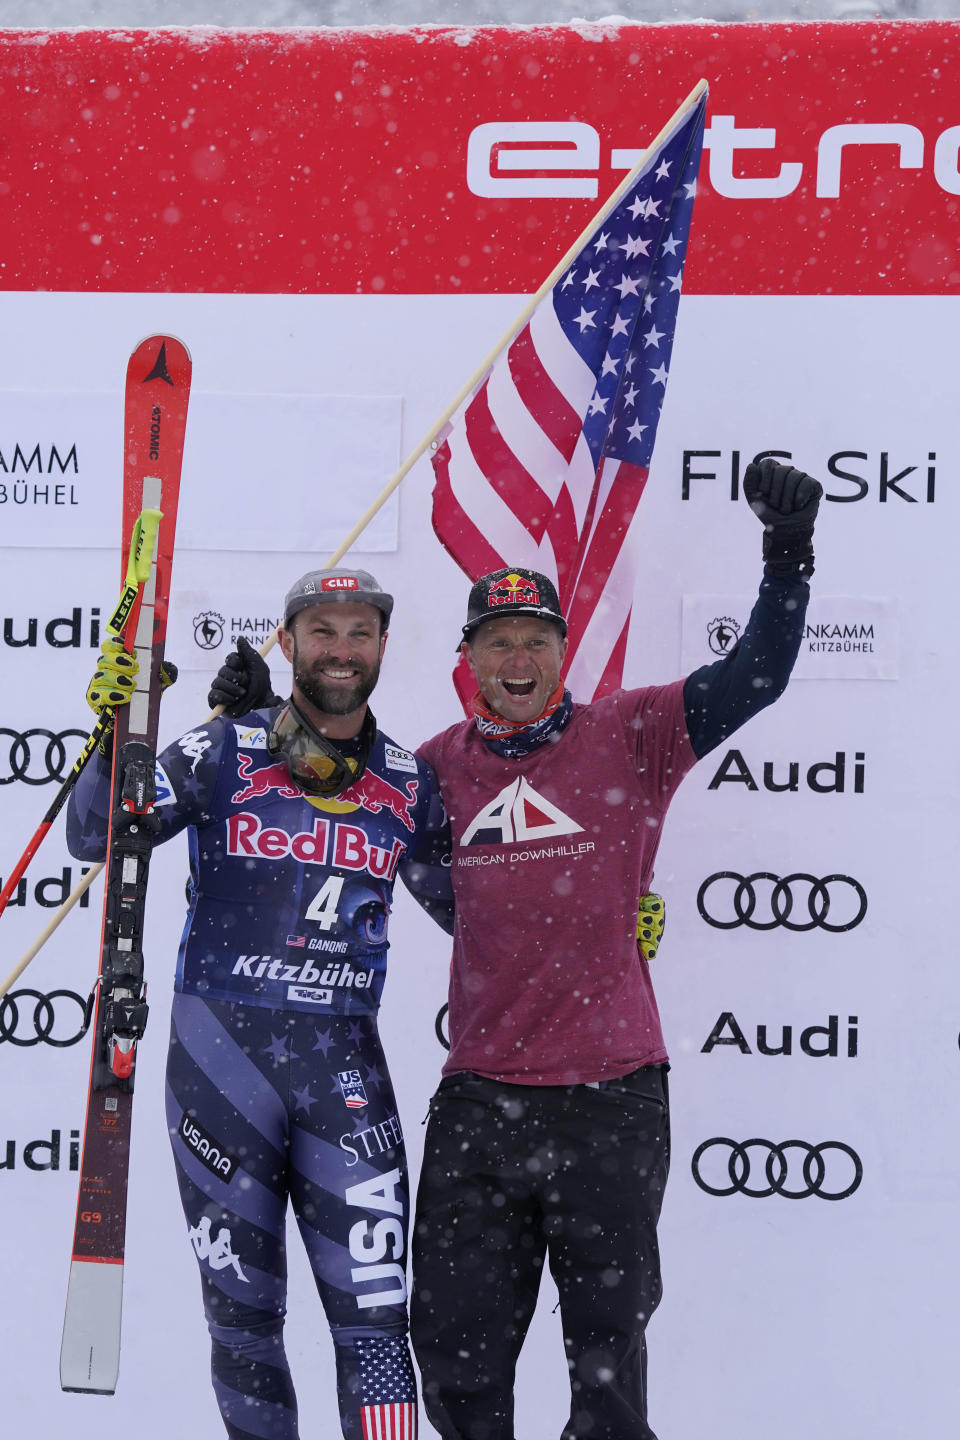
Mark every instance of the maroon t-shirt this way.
pixel 551 853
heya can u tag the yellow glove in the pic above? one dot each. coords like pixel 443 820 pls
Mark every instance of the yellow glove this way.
pixel 115 678
pixel 650 921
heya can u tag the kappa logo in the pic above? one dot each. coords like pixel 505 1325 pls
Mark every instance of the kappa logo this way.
pixel 518 813
pixel 194 744
pixel 217 1249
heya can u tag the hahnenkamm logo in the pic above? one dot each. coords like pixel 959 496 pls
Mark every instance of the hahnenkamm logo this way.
pixel 722 634
pixel 518 813
pixel 208 629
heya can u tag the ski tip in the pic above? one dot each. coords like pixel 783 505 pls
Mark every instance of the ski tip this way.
pixel 161 340
pixel 161 357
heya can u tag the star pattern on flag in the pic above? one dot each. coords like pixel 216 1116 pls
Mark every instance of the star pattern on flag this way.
pixel 387 1388
pixel 546 462
pixel 626 283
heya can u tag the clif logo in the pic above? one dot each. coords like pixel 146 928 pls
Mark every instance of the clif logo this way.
pixel 513 589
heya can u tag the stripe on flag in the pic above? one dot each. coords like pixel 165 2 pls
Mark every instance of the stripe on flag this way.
pixel 544 466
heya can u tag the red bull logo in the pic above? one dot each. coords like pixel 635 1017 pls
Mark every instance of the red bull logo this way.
pixel 262 781
pixel 345 847
pixel 373 793
pixel 513 589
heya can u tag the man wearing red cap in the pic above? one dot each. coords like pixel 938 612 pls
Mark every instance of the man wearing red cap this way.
pixel 549 1134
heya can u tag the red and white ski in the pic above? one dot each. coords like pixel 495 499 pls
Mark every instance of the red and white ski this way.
pixel 157 393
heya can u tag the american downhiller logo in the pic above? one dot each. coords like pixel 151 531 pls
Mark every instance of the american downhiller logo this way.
pixel 518 813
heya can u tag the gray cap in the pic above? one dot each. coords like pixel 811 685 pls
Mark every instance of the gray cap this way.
pixel 321 587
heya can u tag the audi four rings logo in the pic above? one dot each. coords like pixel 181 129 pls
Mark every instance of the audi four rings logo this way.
pixel 792 1169
pixel 440 1027
pixel 37 756
pixel 745 900
pixel 59 1018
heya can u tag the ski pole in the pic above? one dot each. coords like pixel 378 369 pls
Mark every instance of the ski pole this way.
pixel 142 545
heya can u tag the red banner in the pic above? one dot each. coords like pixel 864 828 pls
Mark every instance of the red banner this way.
pixel 453 160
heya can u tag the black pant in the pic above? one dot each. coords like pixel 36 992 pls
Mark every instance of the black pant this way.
pixel 512 1173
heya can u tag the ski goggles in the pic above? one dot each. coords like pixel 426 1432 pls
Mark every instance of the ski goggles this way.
pixel 315 763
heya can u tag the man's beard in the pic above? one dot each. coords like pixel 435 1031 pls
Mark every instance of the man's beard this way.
pixel 335 699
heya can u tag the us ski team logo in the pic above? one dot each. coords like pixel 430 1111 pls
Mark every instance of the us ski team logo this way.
pixel 351 1086
pixel 518 813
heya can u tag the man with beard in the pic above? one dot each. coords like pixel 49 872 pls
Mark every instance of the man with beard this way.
pixel 299 819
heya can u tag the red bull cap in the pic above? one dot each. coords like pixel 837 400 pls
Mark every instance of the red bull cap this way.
pixel 321 587
pixel 512 591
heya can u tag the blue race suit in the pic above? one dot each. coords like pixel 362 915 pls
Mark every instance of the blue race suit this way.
pixel 277 1087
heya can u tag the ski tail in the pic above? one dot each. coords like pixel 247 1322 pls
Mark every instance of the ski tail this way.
pixel 157 394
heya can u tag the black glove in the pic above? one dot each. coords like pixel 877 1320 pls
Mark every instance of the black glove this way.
pixel 242 683
pixel 785 500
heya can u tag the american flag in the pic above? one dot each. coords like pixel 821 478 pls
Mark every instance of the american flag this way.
pixel 388 1390
pixel 545 464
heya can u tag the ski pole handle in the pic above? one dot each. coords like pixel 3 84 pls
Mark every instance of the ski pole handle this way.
pixel 143 542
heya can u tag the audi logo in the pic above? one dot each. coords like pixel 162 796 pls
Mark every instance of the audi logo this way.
pixel 40 762
pixel 832 1177
pixel 725 906
pixel 440 1026
pixel 49 1020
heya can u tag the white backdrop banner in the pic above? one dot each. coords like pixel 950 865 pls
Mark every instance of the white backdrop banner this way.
pixel 340 225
